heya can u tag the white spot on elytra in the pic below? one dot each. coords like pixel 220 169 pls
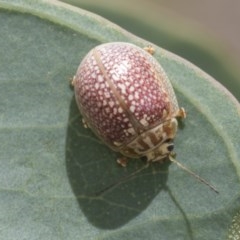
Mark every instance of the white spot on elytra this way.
pixel 131 89
pixel 144 122
pixel 111 104
pixel 141 81
pixel 124 78
pixel 96 85
pixel 137 69
pixel 115 77
pixel 123 88
pixel 100 78
pixel 107 94
pixel 123 67
pixel 136 95
pixel 120 110
pixel 132 108
pixel 130 97
pixel 126 82
pixel 96 68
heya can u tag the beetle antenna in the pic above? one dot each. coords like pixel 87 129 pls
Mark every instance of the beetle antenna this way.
pixel 121 180
pixel 200 179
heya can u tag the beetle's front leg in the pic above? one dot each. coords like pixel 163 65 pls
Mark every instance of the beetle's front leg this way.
pixel 150 49
pixel 122 161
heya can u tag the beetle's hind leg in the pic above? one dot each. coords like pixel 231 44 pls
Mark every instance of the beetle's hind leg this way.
pixel 181 113
pixel 150 49
pixel 122 161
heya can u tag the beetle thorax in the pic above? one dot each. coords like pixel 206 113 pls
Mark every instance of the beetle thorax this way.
pixel 155 143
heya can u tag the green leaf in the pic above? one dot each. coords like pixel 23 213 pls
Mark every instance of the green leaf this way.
pixel 51 166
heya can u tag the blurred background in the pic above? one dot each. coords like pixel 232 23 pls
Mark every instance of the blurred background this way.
pixel 207 33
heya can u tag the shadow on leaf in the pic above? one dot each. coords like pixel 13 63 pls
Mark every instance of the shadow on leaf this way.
pixel 91 167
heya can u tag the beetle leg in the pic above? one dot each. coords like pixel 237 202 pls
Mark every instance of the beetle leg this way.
pixel 122 161
pixel 85 123
pixel 150 49
pixel 181 113
pixel 73 80
pixel 159 159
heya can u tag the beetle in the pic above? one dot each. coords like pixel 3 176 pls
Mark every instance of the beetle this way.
pixel 127 100
pixel 125 97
